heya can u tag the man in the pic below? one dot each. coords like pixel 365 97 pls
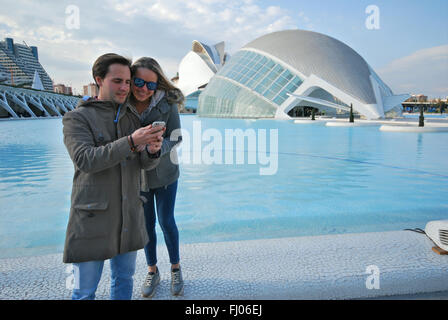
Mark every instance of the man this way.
pixel 104 140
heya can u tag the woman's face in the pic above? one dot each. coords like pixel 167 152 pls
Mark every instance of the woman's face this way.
pixel 143 94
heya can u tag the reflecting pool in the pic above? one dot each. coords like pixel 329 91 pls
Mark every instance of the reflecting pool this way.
pixel 324 180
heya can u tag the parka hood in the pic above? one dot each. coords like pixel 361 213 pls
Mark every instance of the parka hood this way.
pixel 105 105
pixel 94 102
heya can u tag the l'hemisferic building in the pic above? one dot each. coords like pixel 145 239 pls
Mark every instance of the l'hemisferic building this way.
pixel 279 71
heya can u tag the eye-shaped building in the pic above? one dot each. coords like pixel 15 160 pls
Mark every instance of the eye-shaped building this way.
pixel 199 65
pixel 281 70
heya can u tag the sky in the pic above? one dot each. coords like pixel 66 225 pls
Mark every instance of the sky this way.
pixel 404 41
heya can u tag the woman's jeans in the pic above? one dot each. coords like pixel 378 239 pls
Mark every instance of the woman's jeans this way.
pixel 88 274
pixel 165 198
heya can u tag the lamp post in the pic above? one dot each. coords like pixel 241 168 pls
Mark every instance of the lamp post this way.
pixel 421 118
pixel 352 119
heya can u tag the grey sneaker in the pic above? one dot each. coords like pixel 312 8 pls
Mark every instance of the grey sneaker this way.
pixel 151 282
pixel 177 283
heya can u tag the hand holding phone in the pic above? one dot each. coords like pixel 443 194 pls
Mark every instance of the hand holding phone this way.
pixel 149 134
pixel 160 124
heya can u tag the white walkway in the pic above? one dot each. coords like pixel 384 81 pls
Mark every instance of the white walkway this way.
pixel 319 267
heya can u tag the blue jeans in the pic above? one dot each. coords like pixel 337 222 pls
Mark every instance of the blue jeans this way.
pixel 165 200
pixel 88 275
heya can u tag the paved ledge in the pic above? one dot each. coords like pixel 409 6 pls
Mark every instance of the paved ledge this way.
pixel 343 122
pixel 317 267
pixel 350 124
pixel 414 128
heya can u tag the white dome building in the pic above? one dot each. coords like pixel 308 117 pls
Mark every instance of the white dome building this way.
pixel 279 71
pixel 198 67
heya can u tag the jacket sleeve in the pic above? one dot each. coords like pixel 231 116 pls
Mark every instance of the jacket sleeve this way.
pixel 173 123
pixel 149 161
pixel 80 144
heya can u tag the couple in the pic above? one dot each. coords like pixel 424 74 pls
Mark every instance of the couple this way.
pixel 110 139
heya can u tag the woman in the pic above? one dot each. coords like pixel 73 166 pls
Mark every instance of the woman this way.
pixel 156 99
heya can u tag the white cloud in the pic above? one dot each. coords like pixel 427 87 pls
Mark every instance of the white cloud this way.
pixel 236 22
pixel 163 29
pixel 424 71
pixel 8 21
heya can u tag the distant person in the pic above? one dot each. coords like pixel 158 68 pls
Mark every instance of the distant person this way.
pixel 156 99
pixel 106 217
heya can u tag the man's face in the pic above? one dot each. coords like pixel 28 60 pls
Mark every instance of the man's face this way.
pixel 115 85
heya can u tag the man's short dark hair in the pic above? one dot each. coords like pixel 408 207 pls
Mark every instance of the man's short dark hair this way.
pixel 101 66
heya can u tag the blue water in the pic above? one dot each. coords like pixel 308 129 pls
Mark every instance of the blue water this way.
pixel 329 180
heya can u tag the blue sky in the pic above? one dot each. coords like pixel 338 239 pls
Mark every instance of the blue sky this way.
pixel 409 50
pixel 405 25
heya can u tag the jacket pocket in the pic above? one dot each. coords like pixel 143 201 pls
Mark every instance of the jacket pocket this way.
pixel 91 214
pixel 91 220
pixel 92 206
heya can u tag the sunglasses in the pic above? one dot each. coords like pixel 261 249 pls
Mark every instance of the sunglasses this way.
pixel 149 84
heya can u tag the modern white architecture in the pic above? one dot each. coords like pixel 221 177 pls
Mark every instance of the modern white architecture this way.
pixel 197 68
pixel 29 103
pixel 279 71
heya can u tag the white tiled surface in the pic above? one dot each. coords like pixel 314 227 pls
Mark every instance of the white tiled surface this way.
pixel 318 267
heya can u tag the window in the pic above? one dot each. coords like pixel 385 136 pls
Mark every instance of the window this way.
pixel 262 74
pixel 279 100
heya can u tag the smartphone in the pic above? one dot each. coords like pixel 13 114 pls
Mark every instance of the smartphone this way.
pixel 158 124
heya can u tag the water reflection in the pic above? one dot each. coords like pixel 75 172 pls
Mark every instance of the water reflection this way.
pixel 419 146
pixel 329 180
pixel 35 176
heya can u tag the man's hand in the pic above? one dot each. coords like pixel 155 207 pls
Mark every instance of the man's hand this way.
pixel 148 136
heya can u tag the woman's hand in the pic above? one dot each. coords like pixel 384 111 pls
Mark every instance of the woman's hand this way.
pixel 141 148
pixel 154 147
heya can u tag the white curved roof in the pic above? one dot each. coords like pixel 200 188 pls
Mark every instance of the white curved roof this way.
pixel 327 58
pixel 193 73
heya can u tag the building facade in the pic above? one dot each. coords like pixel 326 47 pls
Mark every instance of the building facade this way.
pixel 20 63
pixel 287 69
pixel 417 98
pixel 61 88
pixel 90 90
pixel 197 68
